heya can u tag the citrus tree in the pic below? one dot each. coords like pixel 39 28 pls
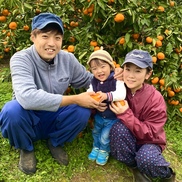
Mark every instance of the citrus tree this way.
pixel 117 25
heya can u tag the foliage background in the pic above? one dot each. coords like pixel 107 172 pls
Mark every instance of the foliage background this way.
pixel 90 20
pixel 93 20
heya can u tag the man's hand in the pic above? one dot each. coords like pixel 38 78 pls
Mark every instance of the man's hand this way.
pixel 85 100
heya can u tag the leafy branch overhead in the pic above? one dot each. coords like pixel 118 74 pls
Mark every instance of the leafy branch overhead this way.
pixel 117 25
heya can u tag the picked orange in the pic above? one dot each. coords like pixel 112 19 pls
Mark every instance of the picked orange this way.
pixel 96 97
pixel 122 102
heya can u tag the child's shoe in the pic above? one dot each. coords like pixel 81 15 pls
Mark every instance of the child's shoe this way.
pixel 94 153
pixel 102 157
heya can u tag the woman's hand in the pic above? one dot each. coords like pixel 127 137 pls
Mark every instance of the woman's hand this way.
pixel 117 108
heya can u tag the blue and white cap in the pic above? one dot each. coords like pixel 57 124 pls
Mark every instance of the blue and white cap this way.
pixel 43 19
pixel 140 58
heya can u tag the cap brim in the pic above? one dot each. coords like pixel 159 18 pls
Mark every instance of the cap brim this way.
pixel 136 62
pixel 48 22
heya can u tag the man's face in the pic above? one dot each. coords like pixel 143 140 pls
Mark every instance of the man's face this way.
pixel 47 44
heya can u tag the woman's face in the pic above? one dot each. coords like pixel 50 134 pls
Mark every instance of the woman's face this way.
pixel 134 76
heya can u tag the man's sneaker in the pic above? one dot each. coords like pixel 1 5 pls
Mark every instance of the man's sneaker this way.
pixel 27 162
pixel 102 157
pixel 93 155
pixel 58 154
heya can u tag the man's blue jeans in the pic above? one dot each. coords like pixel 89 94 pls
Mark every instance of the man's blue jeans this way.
pixel 23 127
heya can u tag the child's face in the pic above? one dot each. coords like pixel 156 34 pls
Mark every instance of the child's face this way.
pixel 134 76
pixel 100 69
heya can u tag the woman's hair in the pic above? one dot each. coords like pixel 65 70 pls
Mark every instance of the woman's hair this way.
pixel 51 27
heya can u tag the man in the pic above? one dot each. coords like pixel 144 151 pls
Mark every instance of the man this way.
pixel 39 110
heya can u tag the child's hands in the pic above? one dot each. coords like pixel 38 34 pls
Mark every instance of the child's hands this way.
pixel 117 108
pixel 102 96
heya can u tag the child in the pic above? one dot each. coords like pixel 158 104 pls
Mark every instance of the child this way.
pixel 138 139
pixel 102 67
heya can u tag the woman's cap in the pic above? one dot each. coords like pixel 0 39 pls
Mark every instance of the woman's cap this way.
pixel 43 19
pixel 102 55
pixel 140 58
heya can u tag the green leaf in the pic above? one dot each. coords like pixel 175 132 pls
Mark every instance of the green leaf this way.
pixel 127 37
pixel 28 6
pixel 101 4
pixel 169 48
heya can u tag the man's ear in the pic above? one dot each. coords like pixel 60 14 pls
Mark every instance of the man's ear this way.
pixel 32 37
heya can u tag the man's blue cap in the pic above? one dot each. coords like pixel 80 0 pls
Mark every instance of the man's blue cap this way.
pixel 43 19
pixel 140 58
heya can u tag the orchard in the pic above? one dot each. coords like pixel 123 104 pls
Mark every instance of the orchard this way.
pixel 117 25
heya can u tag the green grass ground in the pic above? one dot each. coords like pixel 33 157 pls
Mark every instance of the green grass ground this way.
pixel 80 169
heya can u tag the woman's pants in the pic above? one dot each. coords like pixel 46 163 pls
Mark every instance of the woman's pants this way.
pixel 147 158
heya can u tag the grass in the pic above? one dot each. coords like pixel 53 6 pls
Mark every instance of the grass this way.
pixel 80 169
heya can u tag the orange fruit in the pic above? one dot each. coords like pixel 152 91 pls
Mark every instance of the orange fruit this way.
pixel 119 17
pixel 114 62
pixel 122 102
pixel 13 25
pixel 158 43
pixel 85 11
pixel 176 102
pixel 162 81
pixel 37 11
pixel 172 3
pixel 161 8
pixel 2 18
pixel 26 27
pixel 155 80
pixel 122 40
pixel 149 40
pixel 154 59
pixel 167 32
pixel 177 89
pixel 93 43
pixel 5 43
pixel 160 37
pixel 76 24
pixel 96 97
pixel 177 50
pixel 91 8
pixel 160 55
pixel 72 39
pixel 135 35
pixel 90 14
pixel 5 12
pixel 7 49
pixel 72 23
pixel 180 109
pixel 117 66
pixel 110 1
pixel 96 48
pixel 171 93
pixel 71 48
